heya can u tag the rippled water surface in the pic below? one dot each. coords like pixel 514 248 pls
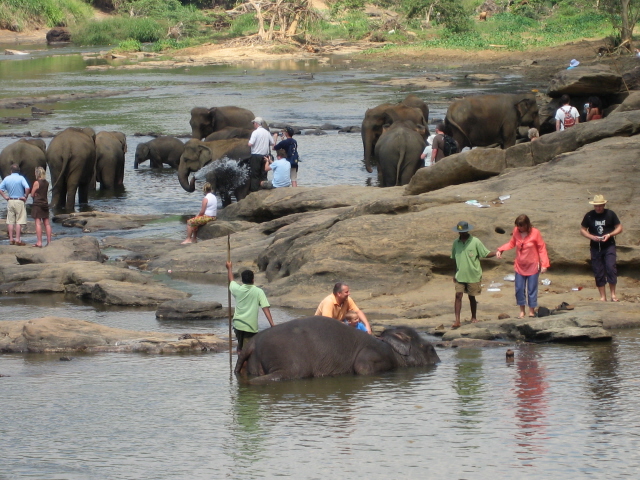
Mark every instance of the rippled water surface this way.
pixel 557 412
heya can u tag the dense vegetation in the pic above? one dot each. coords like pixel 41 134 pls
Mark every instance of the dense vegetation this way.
pixel 443 23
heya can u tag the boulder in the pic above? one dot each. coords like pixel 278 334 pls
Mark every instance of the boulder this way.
pixel 592 80
pixel 56 277
pixel 220 228
pixel 67 335
pixel 632 102
pixel 113 292
pixel 85 249
pixel 191 310
pixel 564 327
pixel 58 35
pixel 632 79
pixel 97 221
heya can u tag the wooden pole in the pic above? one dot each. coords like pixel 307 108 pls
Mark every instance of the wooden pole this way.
pixel 229 303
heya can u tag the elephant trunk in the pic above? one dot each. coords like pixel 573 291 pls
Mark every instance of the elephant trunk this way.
pixel 368 140
pixel 183 177
pixel 135 162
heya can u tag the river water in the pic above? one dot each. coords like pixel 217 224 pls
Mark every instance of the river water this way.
pixel 558 411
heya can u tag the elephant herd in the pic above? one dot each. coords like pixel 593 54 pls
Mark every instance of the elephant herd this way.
pixel 393 138
pixel 394 135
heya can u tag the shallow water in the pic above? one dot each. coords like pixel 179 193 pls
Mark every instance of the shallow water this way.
pixel 557 412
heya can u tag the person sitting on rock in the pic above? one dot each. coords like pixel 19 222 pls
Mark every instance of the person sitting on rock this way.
pixel 351 318
pixel 290 146
pixel 207 214
pixel 281 171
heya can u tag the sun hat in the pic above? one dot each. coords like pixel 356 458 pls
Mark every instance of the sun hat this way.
pixel 598 200
pixel 290 131
pixel 257 120
pixel 462 227
pixel 573 64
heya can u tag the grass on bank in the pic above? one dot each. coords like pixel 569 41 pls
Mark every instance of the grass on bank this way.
pixel 18 15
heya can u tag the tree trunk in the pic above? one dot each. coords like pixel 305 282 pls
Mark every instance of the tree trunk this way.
pixel 626 32
pixel 256 5
pixel 294 25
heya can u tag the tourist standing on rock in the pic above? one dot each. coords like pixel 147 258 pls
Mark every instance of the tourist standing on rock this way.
pixel 437 147
pixel 566 116
pixel 40 207
pixel 531 261
pixel 337 304
pixel 601 225
pixel 260 143
pixel 290 146
pixel 281 169
pixel 249 299
pixel 467 251
pixel 15 190
pixel 207 213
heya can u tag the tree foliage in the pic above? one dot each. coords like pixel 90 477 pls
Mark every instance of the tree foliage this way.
pixel 624 17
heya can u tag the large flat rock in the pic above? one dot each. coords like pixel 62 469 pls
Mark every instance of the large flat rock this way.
pixel 591 80
pixel 112 292
pixel 70 335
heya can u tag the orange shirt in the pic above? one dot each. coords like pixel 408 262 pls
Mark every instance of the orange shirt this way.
pixel 531 252
pixel 329 307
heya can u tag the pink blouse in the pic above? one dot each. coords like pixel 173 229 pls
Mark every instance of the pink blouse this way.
pixel 531 252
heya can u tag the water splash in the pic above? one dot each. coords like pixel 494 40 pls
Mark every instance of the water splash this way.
pixel 225 173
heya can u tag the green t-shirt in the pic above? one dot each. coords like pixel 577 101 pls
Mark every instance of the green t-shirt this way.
pixel 249 299
pixel 467 255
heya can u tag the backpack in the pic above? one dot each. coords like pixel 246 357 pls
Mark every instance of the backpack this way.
pixel 569 121
pixel 450 146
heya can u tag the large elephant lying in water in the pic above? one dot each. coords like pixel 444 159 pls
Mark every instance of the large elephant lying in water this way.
pixel 197 154
pixel 491 119
pixel 398 152
pixel 321 346
pixel 205 121
pixel 411 108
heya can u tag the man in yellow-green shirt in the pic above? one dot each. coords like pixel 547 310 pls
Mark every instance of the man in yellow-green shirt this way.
pixel 249 299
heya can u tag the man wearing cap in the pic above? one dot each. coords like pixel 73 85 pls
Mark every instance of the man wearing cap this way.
pixel 601 225
pixel 15 190
pixel 467 251
pixel 291 147
pixel 260 143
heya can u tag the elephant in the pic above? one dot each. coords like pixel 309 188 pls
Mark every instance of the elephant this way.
pixel 110 150
pixel 27 154
pixel 197 154
pixel 71 157
pixel 321 346
pixel 491 119
pixel 398 152
pixel 205 121
pixel 387 113
pixel 160 150
pixel 229 132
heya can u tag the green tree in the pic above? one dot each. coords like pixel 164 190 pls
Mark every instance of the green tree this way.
pixel 624 17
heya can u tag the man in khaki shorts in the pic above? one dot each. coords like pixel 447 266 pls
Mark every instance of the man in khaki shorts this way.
pixel 467 251
pixel 15 190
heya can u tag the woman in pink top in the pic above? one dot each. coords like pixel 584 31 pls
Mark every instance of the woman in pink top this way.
pixel 531 260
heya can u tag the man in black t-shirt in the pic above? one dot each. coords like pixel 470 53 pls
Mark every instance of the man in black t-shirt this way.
pixel 601 226
pixel 290 146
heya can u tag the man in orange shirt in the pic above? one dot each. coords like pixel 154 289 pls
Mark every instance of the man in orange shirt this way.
pixel 339 303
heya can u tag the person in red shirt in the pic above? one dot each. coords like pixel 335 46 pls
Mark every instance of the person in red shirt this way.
pixel 531 260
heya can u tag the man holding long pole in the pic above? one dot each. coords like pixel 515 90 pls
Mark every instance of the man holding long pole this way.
pixel 249 299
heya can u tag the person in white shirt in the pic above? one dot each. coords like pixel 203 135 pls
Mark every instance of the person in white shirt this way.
pixel 208 212
pixel 260 143
pixel 566 116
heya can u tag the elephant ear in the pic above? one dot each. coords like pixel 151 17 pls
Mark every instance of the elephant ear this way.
pixel 524 105
pixel 399 341
pixel 422 130
pixel 205 155
pixel 386 127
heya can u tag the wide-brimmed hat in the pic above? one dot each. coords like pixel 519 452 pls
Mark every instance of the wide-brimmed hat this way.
pixel 462 227
pixel 257 120
pixel 598 200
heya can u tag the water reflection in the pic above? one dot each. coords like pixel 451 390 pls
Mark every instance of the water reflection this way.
pixel 469 386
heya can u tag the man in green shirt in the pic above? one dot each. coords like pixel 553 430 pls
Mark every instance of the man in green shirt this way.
pixel 249 299
pixel 467 251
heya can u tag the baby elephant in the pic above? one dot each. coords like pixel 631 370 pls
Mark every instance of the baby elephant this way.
pixel 160 150
pixel 321 346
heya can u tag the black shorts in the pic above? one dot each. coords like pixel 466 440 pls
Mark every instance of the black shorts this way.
pixel 242 337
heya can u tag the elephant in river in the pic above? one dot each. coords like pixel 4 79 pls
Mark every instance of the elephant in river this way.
pixel 321 346
pixel 205 121
pixel 486 120
pixel 164 149
pixel 398 152
pixel 110 150
pixel 71 157
pixel 197 154
pixel 229 132
pixel 375 118
pixel 27 154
